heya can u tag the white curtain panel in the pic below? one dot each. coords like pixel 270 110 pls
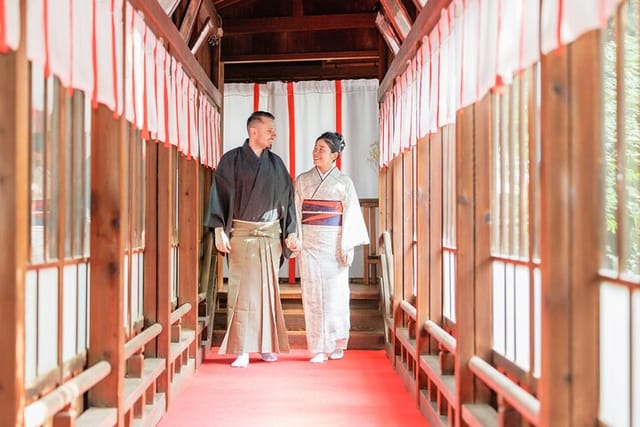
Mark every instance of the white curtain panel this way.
pixel 11 24
pixel 315 113
pixel 82 49
pixel 425 90
pixel 238 106
pixel 59 33
pixel 470 22
pixel 160 91
pixel 36 50
pixel 276 102
pixel 434 41
pixel 150 85
pixel 172 100
pixel 129 78
pixel 360 129
pixel 530 33
pixel 511 20
pixel 488 46
pixel 139 31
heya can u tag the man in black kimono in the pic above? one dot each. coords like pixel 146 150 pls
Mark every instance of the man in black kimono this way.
pixel 252 202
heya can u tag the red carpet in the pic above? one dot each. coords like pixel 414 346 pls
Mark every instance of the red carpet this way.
pixel 360 390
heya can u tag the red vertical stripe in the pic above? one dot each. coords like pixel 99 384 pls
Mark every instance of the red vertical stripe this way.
pixel 3 27
pixel 133 71
pixel 292 159
pixel 145 107
pixel 45 15
pixel 70 87
pixel 339 116
pixel 165 97
pixel 94 59
pixel 256 97
pixel 114 58
pixel 189 119
pixel 560 17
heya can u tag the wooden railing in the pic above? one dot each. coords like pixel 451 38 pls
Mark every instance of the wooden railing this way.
pixel 370 256
pixel 45 408
pixel 405 349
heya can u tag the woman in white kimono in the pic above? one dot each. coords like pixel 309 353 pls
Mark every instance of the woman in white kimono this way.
pixel 331 225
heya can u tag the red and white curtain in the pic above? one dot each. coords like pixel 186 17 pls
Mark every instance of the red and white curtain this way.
pixel 81 42
pixel 9 25
pixel 476 45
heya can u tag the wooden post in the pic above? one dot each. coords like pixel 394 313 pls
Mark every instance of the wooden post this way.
pixel 108 198
pixel 554 386
pixel 422 240
pixel 435 226
pixel 150 303
pixel 189 230
pixel 14 214
pixel 465 259
pixel 165 215
pixel 586 211
pixel 397 233
pixel 407 223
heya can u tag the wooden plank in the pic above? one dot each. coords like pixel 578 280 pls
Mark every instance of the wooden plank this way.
pixel 586 157
pixel 150 303
pixel 553 387
pixel 221 4
pixel 305 56
pixel 108 201
pixel 426 21
pixel 483 285
pixel 397 233
pixel 396 13
pixel 189 229
pixel 465 259
pixel 407 226
pixel 14 223
pixel 346 21
pixel 435 226
pixel 189 20
pixel 166 178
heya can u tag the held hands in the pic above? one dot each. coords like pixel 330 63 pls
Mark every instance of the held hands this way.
pixel 292 242
pixel 345 257
pixel 222 241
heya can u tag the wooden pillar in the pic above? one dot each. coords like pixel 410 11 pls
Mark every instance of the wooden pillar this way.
pixel 106 304
pixel 465 259
pixel 14 220
pixel 435 225
pixel 554 386
pixel 165 217
pixel 189 230
pixel 586 157
pixel 397 234
pixel 407 223
pixel 150 300
pixel 423 211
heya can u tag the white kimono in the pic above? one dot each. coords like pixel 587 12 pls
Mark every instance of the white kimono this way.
pixel 326 234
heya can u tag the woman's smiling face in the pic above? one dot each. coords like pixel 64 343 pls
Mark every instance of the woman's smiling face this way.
pixel 323 158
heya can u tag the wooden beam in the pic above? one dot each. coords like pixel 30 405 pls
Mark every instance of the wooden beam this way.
pixel 427 20
pixel 221 4
pixel 398 16
pixel 164 28
pixel 388 34
pixel 169 6
pixel 14 220
pixel 151 291
pixel 189 20
pixel 108 198
pixel 294 71
pixel 346 21
pixel 305 56
pixel 204 34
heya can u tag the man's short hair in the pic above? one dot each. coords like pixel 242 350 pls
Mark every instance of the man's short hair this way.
pixel 257 116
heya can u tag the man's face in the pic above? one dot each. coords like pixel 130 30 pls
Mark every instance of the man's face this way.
pixel 263 133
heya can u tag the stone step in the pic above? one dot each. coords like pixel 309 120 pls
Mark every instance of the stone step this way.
pixel 358 340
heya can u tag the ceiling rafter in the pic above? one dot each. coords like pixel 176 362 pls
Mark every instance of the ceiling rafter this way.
pixel 396 13
pixel 169 6
pixel 388 34
pixel 300 23
pixel 189 20
pixel 306 56
pixel 221 4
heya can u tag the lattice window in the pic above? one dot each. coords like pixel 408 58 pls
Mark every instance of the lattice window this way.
pixel 515 222
pixel 57 277
pixel 620 265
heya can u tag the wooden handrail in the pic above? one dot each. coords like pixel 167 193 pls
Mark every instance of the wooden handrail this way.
pixel 526 404
pixel 40 411
pixel 141 339
pixel 409 309
pixel 179 312
pixel 164 28
pixel 442 336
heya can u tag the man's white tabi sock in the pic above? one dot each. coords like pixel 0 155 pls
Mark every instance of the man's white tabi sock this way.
pixel 242 361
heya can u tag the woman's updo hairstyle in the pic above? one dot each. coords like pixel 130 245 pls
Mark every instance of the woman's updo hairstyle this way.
pixel 334 140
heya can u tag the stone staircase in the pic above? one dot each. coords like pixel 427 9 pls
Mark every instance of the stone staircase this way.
pixel 367 325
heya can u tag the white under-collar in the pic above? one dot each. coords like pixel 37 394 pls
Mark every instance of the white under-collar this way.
pixel 324 175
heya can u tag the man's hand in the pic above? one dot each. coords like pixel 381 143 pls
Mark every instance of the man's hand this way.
pixel 222 241
pixel 292 242
pixel 346 257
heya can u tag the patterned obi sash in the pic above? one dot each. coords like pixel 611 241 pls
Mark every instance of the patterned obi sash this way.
pixel 322 212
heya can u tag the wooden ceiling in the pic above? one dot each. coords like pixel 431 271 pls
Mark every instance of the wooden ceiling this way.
pixel 294 40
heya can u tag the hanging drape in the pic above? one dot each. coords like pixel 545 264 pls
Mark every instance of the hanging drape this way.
pixel 476 45
pixel 81 43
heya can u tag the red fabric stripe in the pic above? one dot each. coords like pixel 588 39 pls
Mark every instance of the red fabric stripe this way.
pixel 70 88
pixel 560 16
pixel 189 118
pixel 114 62
pixel 256 97
pixel 339 116
pixel 3 32
pixel 133 72
pixel 165 100
pixel 94 59
pixel 145 113
pixel 45 15
pixel 155 87
pixel 292 159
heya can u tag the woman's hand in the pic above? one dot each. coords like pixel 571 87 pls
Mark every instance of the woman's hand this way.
pixel 346 257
